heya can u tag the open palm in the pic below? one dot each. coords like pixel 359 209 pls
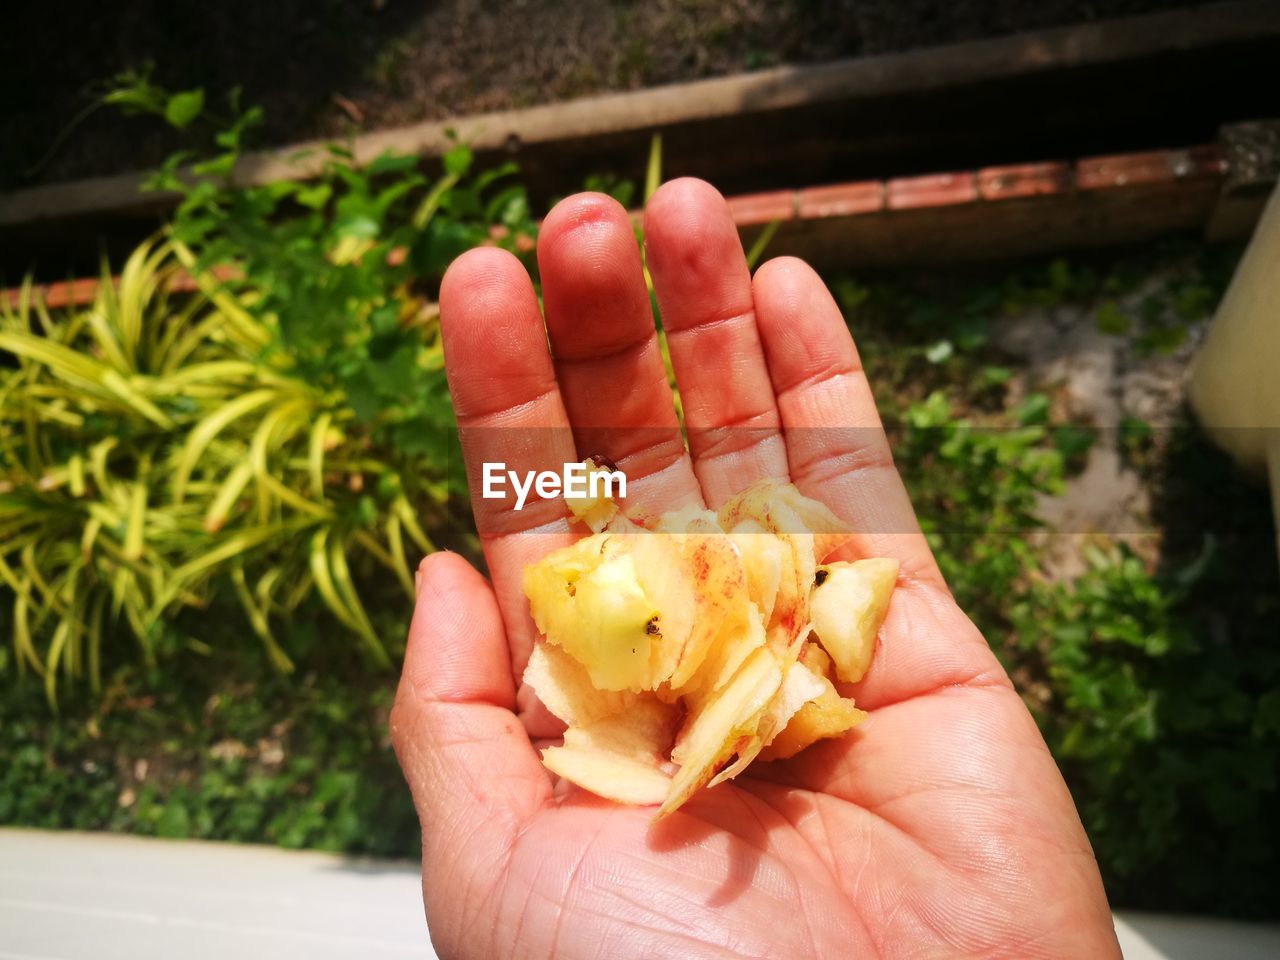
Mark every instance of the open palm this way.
pixel 940 827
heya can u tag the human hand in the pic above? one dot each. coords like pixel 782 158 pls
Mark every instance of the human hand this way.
pixel 939 827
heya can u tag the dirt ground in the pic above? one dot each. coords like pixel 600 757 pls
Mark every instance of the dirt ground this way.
pixel 328 67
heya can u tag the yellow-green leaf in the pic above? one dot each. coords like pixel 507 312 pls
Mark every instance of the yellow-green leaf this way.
pixel 207 429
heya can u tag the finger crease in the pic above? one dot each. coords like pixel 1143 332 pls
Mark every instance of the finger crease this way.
pixel 851 461
pixel 613 353
pixel 714 320
pixel 730 441
pixel 664 453
pixel 820 378
pixel 481 418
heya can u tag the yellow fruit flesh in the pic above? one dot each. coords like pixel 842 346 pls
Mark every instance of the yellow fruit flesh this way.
pixel 597 612
pixel 687 645
pixel 829 715
pixel 799 686
pixel 615 742
pixel 606 775
pixel 595 511
pixel 719 726
pixel 848 607
pixel 826 715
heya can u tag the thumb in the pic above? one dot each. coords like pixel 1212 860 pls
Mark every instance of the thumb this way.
pixel 474 774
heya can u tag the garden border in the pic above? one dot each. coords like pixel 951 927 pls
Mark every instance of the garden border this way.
pixel 1001 211
pixel 1151 81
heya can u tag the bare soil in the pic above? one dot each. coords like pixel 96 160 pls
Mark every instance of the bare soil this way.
pixel 330 67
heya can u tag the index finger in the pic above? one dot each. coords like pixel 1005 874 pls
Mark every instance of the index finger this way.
pixel 509 412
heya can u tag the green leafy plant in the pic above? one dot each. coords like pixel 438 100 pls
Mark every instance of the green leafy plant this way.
pixel 977 487
pixel 154 450
pixel 245 430
pixel 131 92
pixel 1169 738
pixel 283 429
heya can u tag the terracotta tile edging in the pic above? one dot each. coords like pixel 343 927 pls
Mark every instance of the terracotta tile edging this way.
pixel 900 196
pixel 757 209
pixel 1024 180
pixel 78 293
pixel 1157 166
pixel 842 200
pixel 931 190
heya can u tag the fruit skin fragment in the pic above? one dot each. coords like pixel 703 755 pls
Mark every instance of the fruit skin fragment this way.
pixel 848 606
pixel 722 725
pixel 565 688
pixel 637 608
pixel 595 511
pixel 781 508
pixel 619 757
pixel 826 715
pixel 799 686
pixel 762 560
pixel 610 776
pixel 771 507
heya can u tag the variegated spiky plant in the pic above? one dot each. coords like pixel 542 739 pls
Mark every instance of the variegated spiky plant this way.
pixel 154 449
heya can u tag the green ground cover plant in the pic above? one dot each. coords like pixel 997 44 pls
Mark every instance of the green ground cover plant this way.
pixel 215 750
pixel 1154 675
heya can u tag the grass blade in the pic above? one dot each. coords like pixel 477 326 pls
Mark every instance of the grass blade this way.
pixel 57 644
pixel 395 545
pixel 233 546
pixel 347 589
pixel 761 242
pixel 95 641
pixel 63 362
pixel 401 508
pixel 252 333
pixel 135 521
pixel 135 400
pixel 653 169
pixel 22 643
pixel 75 474
pixel 323 576
pixel 431 202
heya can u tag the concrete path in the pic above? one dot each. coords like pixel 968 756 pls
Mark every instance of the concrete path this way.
pixel 86 896
pixel 1153 936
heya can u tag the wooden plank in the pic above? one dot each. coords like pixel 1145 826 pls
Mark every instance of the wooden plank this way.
pixel 1253 165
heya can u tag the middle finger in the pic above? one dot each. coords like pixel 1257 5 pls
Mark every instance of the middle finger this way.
pixel 606 353
pixel 708 311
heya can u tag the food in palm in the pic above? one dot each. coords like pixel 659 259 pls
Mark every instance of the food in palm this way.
pixel 680 649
